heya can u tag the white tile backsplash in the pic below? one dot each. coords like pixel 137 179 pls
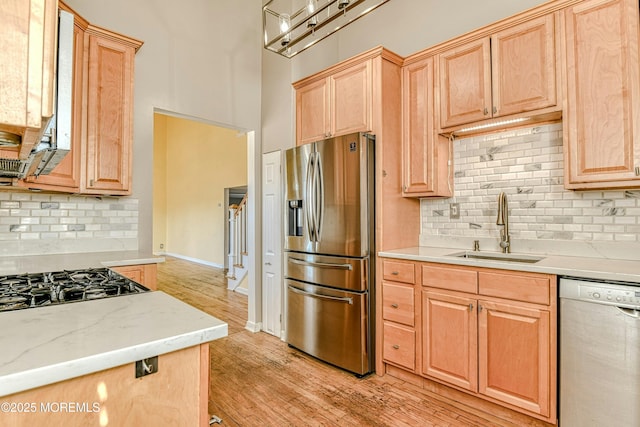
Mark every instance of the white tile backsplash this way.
pixel 40 223
pixel 527 164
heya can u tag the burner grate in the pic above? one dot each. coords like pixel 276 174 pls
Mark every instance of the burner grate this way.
pixel 36 290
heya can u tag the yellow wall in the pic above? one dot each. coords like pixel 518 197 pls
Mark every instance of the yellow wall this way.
pixel 159 182
pixel 200 161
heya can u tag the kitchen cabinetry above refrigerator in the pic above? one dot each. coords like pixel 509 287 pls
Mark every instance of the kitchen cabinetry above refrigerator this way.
pixel 336 105
pixel 102 118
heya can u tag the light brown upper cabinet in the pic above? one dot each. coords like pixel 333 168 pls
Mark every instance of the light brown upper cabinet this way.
pixel 102 118
pixel 602 119
pixel 27 67
pixel 512 71
pixel 334 105
pixel 109 114
pixel 426 171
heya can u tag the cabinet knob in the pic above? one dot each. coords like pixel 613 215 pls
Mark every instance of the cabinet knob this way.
pixel 486 111
pixel 470 307
pixel 479 308
pixel 495 110
pixel 637 170
pixel 394 305
pixel 396 347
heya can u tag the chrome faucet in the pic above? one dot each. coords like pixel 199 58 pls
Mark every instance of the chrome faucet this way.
pixel 503 219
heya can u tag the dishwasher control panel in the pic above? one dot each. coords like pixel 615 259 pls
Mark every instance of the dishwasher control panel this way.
pixel 624 295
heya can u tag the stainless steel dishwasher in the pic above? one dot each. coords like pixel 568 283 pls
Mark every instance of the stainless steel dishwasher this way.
pixel 599 353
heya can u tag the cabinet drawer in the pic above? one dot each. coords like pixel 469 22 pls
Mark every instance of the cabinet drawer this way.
pixel 398 271
pixel 453 279
pixel 398 303
pixel 520 287
pixel 399 346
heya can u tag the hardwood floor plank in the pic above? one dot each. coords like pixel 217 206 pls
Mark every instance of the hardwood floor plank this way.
pixel 258 380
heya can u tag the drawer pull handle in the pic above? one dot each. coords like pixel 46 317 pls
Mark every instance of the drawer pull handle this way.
pixel 470 307
pixel 394 305
pixel 394 273
pixel 396 347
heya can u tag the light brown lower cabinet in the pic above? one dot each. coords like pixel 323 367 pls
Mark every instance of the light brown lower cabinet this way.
pixel 488 333
pixel 176 395
pixel 145 274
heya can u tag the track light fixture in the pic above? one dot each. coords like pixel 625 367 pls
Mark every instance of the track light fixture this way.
pixel 289 32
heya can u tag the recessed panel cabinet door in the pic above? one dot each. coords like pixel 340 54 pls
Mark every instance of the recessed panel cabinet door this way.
pixel 418 136
pixel 465 84
pixel 602 121
pixel 450 345
pixel 109 116
pixel 27 57
pixel 313 112
pixel 514 355
pixel 524 67
pixel 351 98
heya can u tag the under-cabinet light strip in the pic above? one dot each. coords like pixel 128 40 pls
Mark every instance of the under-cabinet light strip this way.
pixel 490 125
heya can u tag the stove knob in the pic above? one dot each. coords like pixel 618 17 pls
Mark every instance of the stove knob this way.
pixel 618 299
pixel 596 295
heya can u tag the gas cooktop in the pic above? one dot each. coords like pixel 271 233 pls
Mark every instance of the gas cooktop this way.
pixel 36 290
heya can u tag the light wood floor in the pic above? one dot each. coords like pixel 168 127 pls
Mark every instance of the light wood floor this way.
pixel 257 380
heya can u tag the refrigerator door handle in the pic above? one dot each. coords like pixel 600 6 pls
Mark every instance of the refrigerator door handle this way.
pixel 308 207
pixel 321 264
pixel 319 197
pixel 346 300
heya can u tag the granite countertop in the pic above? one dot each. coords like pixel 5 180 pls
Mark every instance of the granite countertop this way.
pixel 73 261
pixel 70 340
pixel 575 266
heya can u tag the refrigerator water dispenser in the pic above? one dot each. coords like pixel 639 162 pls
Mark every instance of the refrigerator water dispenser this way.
pixel 295 218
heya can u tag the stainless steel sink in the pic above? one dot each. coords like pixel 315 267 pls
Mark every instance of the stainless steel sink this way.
pixel 496 256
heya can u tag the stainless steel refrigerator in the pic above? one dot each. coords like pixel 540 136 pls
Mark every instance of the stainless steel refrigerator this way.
pixel 329 250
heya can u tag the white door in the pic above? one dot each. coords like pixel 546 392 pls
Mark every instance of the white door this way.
pixel 272 244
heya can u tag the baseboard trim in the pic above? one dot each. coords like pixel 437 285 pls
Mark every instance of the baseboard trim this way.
pixel 253 326
pixel 242 291
pixel 196 260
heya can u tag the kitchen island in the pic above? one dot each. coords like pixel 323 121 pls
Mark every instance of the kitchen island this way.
pixel 74 364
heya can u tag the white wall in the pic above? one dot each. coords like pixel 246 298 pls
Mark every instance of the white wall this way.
pixel 200 58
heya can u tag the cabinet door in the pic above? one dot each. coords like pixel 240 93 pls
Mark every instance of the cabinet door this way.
pixel 351 100
pixel 418 137
pixel 514 355
pixel 399 345
pixel 465 84
pixel 398 303
pixel 450 338
pixel 109 116
pixel 524 67
pixel 602 121
pixel 313 112
pixel 144 274
pixel 27 64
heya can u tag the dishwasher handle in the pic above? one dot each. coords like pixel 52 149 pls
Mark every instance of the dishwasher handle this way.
pixel 630 312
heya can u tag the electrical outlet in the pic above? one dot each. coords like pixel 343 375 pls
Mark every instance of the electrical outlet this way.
pixel 454 210
pixel 146 366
